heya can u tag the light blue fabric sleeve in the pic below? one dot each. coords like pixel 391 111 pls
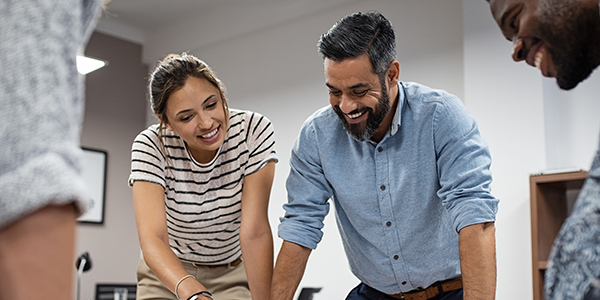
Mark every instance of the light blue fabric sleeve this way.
pixel 463 166
pixel 308 193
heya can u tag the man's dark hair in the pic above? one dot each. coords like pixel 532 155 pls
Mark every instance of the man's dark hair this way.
pixel 359 33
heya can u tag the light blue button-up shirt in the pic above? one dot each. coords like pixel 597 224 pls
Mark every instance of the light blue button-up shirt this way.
pixel 399 203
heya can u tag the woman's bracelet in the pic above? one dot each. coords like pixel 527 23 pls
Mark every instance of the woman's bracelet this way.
pixel 203 293
pixel 179 282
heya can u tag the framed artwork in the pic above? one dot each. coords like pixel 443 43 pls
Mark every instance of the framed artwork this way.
pixel 94 175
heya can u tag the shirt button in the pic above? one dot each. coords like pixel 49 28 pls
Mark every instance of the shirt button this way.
pixel 382 187
pixel 404 282
pixel 388 224
pixel 379 149
pixel 396 257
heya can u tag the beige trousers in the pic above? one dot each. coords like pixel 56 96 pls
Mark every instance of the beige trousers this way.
pixel 224 283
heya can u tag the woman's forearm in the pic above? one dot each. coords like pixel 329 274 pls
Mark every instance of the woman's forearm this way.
pixel 169 270
pixel 257 251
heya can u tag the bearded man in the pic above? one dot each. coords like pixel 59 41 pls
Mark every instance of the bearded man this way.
pixel 406 169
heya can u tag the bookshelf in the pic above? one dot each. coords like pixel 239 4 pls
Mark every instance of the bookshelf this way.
pixel 552 197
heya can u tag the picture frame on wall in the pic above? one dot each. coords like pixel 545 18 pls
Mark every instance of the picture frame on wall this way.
pixel 94 175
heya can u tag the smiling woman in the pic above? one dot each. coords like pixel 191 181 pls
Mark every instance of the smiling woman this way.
pixel 201 184
pixel 197 112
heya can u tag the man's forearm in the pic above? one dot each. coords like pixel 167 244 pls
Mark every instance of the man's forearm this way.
pixel 289 269
pixel 477 244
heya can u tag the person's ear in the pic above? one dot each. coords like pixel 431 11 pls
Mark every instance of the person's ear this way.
pixel 393 73
pixel 164 122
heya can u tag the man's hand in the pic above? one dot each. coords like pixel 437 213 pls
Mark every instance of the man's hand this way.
pixel 289 269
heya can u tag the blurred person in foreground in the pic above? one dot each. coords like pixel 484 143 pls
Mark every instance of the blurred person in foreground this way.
pixel 41 100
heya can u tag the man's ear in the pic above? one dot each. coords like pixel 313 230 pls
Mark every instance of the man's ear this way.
pixel 393 73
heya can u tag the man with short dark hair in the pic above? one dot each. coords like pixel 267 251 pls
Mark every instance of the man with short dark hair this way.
pixel 562 39
pixel 408 173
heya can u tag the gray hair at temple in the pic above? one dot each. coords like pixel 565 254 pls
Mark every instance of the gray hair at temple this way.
pixel 359 33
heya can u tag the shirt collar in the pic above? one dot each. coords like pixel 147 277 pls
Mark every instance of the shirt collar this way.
pixel 397 118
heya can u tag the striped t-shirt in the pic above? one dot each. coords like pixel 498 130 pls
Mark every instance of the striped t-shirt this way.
pixel 203 201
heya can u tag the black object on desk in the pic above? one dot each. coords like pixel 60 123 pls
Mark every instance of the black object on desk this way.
pixel 307 293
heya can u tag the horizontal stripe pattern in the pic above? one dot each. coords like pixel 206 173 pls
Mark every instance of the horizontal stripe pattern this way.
pixel 203 201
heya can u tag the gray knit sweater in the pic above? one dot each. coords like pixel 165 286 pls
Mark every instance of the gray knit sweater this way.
pixel 41 103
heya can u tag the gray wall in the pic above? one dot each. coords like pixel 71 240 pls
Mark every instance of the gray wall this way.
pixel 114 115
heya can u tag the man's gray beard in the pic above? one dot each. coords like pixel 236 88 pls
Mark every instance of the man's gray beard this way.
pixel 373 121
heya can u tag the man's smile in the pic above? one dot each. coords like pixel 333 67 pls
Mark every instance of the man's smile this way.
pixel 543 61
pixel 356 117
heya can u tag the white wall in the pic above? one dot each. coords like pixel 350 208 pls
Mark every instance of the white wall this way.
pixel 572 123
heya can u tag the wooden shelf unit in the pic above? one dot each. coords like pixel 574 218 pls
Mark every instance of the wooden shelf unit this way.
pixel 552 198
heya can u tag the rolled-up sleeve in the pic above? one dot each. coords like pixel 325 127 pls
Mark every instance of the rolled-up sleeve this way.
pixel 308 193
pixel 463 165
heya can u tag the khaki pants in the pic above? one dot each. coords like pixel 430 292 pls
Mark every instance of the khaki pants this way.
pixel 224 283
